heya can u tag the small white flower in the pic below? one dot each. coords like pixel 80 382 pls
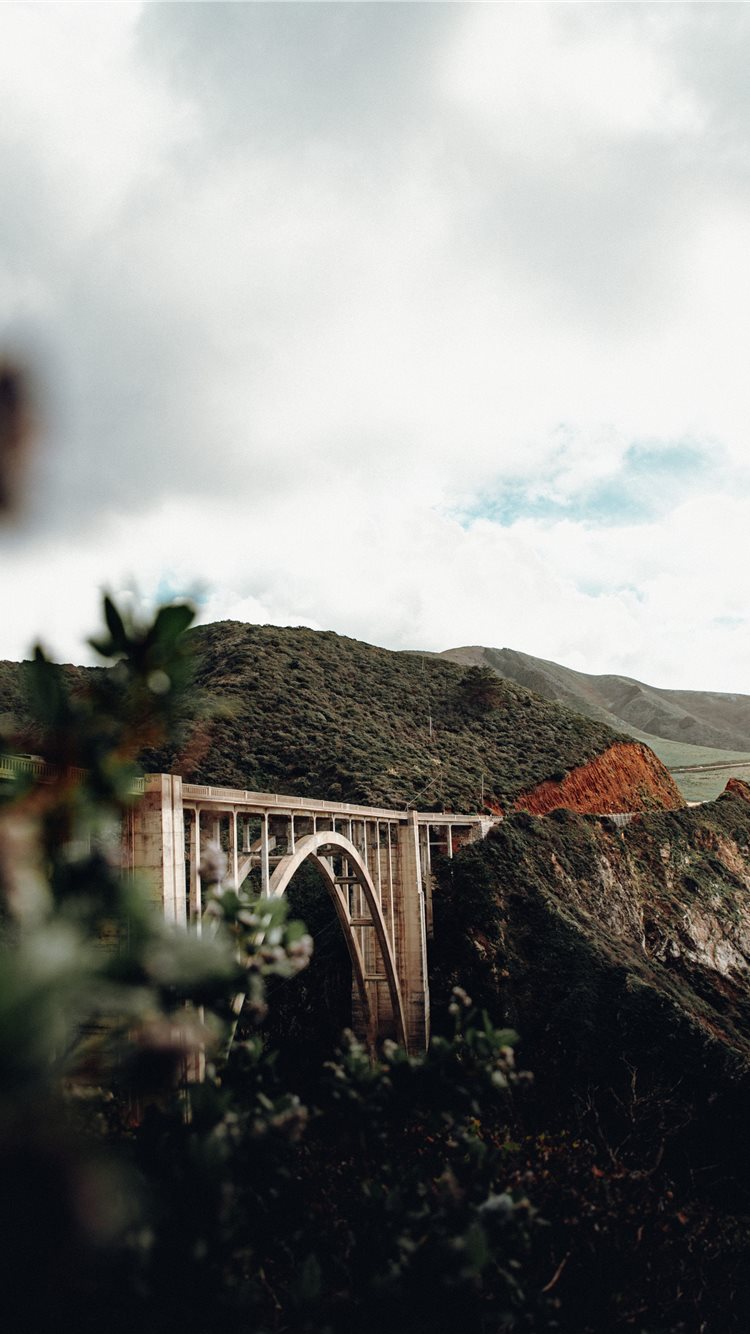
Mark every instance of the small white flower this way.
pixel 213 864
pixel 499 1206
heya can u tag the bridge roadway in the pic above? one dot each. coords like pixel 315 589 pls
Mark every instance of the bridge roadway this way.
pixel 375 863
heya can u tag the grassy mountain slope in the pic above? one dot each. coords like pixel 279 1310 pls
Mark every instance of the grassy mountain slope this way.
pixel 697 717
pixel 12 697
pixel 16 728
pixel 316 713
pixel 684 728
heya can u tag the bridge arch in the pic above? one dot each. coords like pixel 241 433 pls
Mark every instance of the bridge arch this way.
pixel 320 849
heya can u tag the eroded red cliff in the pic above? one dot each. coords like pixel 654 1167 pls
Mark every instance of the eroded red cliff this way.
pixel 626 777
pixel 737 788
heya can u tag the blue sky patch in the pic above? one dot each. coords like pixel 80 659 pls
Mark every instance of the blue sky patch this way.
pixel 649 481
pixel 596 588
pixel 169 590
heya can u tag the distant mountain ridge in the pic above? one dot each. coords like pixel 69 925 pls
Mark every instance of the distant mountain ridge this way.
pixel 700 718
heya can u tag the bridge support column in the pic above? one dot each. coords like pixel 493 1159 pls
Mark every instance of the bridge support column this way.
pixel 158 844
pixel 381 1006
pixel 264 854
pixel 234 848
pixel 411 937
pixel 196 905
pixel 426 854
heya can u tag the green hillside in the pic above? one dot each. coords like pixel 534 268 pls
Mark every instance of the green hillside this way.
pixel 319 714
pixel 700 772
pixel 684 728
pixel 680 754
pixel 12 705
pixel 315 712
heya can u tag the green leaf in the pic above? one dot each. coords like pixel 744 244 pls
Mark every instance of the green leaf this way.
pixel 104 647
pixel 310 1279
pixel 48 698
pixel 477 1251
pixel 115 625
pixel 170 623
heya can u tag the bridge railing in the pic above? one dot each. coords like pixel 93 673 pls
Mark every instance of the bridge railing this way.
pixel 33 765
pixel 286 802
pixel 16 766
pixel 13 766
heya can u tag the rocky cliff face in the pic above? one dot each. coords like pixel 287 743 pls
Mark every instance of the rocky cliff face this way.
pixel 622 958
pixel 737 788
pixel 614 946
pixel 626 777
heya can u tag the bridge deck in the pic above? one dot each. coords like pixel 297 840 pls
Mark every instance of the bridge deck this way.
pixel 234 798
pixel 229 798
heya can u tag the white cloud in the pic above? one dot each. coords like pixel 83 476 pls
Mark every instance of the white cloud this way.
pixel 546 78
pixel 314 278
pixel 661 602
pixel 73 94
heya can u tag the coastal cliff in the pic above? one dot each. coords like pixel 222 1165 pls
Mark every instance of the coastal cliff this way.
pixel 607 943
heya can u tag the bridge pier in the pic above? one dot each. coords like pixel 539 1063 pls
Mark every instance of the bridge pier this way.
pixel 411 935
pixel 155 844
pixel 195 896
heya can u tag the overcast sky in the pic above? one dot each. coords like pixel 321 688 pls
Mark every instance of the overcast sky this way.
pixel 423 323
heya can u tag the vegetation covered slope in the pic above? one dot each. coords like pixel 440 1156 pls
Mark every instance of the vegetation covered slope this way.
pixel 12 696
pixel 622 956
pixel 683 727
pixel 15 713
pixel 607 945
pixel 319 714
pixel 315 713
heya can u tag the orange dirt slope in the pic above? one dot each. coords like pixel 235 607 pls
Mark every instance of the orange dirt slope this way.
pixel 626 777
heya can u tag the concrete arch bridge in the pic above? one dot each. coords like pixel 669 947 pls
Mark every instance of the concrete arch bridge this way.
pixel 375 864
